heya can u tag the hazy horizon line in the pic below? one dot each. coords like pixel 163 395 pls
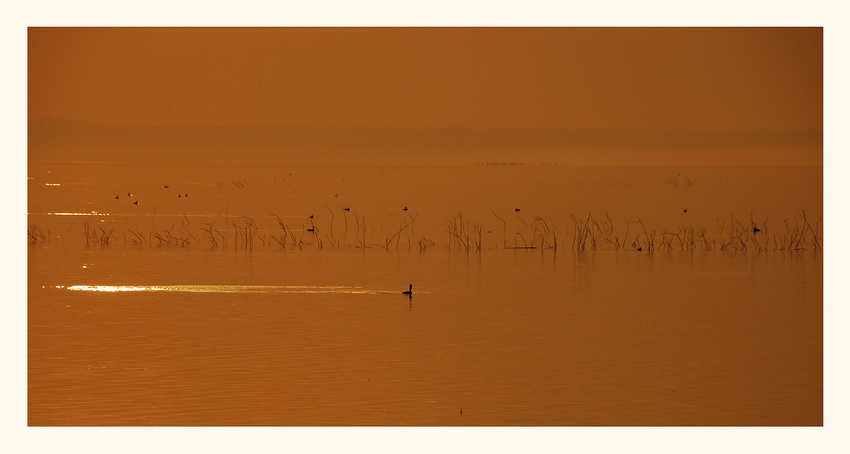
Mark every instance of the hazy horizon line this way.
pixel 63 121
pixel 73 134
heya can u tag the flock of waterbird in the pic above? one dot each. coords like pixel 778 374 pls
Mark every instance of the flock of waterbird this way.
pixel 409 291
pixel 136 201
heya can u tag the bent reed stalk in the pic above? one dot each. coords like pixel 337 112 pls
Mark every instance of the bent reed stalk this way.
pixel 35 235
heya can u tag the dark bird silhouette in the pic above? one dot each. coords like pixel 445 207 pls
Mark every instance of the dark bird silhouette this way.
pixel 409 291
pixel 686 210
pixel 136 202
pixel 404 209
pixel 756 230
pixel 166 186
pixel 129 195
pixel 516 209
pixel 311 216
pixel 178 195
pixel 347 209
pixel 640 249
pixel 186 195
pixel 116 196
pixel 311 229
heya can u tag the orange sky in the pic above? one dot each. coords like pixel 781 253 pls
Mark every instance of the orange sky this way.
pixel 694 78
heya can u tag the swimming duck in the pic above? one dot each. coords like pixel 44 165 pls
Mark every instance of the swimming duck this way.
pixel 409 291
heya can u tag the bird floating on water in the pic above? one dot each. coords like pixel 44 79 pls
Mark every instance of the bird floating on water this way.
pixel 404 209
pixel 516 209
pixel 409 291
pixel 136 202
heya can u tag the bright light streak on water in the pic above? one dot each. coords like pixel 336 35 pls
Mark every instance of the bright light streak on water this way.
pixel 93 213
pixel 304 289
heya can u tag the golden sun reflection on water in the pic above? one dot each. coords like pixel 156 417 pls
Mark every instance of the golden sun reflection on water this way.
pixel 93 213
pixel 303 289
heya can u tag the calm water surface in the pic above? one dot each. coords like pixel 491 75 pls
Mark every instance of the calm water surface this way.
pixel 258 334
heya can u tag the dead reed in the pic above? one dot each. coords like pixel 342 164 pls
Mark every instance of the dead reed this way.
pixel 287 236
pixel 35 235
pixel 463 235
pixel 171 238
pixel 96 235
pixel 243 235
pixel 588 233
pixel 396 237
pixel 583 232
pixel 648 240
pixel 211 234
pixel 542 233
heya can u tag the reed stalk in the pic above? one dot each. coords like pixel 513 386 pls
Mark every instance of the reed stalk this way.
pixel 592 232
pixel 396 236
pixel 35 235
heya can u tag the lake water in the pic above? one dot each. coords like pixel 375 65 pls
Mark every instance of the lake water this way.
pixel 531 304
